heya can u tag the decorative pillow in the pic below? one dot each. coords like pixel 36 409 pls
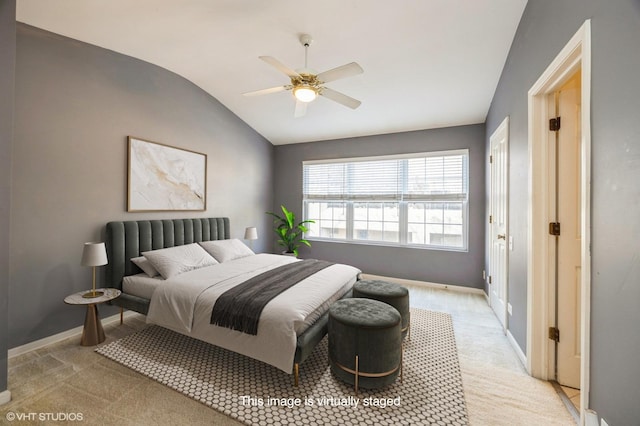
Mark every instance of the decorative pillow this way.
pixel 144 264
pixel 225 250
pixel 173 261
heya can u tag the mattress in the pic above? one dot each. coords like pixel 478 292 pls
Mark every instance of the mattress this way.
pixel 141 285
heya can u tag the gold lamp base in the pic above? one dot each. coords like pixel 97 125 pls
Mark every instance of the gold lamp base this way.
pixel 92 294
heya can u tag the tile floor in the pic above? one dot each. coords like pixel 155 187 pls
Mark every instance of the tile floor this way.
pixel 573 395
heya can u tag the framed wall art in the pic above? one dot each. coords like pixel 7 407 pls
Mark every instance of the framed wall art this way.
pixel 165 178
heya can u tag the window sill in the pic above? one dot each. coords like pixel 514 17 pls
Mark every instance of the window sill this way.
pixel 390 245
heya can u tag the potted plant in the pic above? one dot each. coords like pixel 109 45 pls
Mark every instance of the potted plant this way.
pixel 289 232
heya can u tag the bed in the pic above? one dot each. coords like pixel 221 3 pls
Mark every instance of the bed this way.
pixel 290 326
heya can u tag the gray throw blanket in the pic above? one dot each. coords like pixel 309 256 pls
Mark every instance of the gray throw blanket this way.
pixel 239 308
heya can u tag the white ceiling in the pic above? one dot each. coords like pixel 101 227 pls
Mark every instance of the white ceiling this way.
pixel 427 63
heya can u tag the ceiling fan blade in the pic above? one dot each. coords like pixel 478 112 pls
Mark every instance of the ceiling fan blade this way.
pixel 280 66
pixel 340 98
pixel 269 90
pixel 301 109
pixel 343 71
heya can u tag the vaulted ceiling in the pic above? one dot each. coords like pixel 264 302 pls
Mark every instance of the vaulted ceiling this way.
pixel 427 63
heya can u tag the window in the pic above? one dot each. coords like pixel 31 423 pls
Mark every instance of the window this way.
pixel 407 200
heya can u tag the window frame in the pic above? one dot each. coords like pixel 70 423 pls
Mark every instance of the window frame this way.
pixel 403 203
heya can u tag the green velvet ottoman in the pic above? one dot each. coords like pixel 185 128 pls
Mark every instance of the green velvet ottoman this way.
pixel 365 342
pixel 390 293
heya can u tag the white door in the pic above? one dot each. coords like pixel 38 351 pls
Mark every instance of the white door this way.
pixel 569 242
pixel 499 145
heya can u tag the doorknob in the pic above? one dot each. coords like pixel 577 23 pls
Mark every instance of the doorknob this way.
pixel 502 237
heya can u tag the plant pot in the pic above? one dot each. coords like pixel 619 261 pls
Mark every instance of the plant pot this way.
pixel 288 253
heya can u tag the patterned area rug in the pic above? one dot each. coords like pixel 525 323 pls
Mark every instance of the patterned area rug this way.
pixel 255 393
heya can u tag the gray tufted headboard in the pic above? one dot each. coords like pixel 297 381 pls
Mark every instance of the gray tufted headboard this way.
pixel 126 240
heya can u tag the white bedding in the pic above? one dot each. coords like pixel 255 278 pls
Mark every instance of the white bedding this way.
pixel 141 285
pixel 184 304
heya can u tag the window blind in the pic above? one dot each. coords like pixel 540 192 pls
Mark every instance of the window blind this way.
pixel 421 177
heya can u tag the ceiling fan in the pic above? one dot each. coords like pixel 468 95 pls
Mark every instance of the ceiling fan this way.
pixel 306 85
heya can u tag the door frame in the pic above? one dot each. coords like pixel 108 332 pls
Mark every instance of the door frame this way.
pixel 576 55
pixel 502 128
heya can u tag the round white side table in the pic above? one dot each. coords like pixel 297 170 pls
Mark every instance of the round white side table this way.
pixel 92 333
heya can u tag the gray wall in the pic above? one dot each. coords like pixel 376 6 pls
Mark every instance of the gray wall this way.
pixel 7 69
pixel 75 105
pixel 445 267
pixel 615 210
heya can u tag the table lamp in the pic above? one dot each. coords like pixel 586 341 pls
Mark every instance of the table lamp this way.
pixel 251 233
pixel 94 254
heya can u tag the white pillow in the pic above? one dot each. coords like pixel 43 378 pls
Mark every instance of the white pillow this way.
pixel 225 250
pixel 144 264
pixel 173 261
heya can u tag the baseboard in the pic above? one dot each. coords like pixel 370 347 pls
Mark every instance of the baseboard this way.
pixel 5 397
pixel 516 348
pixel 77 331
pixel 424 284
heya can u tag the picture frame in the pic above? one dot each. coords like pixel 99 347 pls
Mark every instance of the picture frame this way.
pixel 165 178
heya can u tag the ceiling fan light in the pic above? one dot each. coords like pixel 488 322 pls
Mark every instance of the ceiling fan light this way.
pixel 305 93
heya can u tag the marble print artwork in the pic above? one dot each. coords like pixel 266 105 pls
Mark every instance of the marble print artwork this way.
pixel 165 178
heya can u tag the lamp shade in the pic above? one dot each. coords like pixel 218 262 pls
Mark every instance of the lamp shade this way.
pixel 251 233
pixel 94 254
